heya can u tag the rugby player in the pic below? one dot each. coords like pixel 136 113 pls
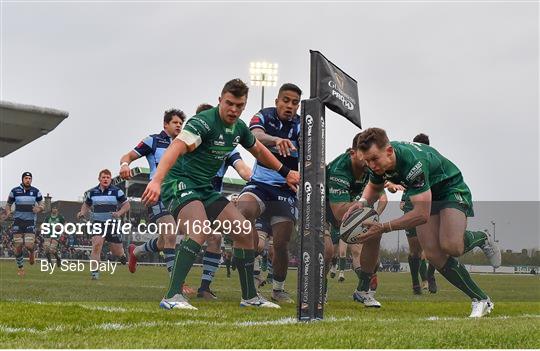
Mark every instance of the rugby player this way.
pixel 441 204
pixel 267 194
pixel 212 252
pixel 153 147
pixel 107 203
pixel 193 159
pixel 50 244
pixel 346 177
pixel 28 203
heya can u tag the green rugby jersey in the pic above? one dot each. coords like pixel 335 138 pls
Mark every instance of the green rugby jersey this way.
pixel 420 167
pixel 215 141
pixel 52 219
pixel 341 185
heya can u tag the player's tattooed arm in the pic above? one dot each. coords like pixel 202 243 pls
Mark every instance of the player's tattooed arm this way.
pixel 284 146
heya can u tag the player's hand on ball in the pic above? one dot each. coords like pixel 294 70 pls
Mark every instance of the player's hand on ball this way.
pixel 125 172
pixel 375 230
pixel 293 178
pixel 151 193
pixel 284 146
pixel 355 206
pixel 393 188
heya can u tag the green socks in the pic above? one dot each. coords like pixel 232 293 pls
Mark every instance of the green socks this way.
pixel 342 261
pixel 244 260
pixel 414 265
pixel 364 279
pixel 423 270
pixel 457 274
pixel 185 256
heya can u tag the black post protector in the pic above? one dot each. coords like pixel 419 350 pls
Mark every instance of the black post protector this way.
pixel 312 212
pixel 333 88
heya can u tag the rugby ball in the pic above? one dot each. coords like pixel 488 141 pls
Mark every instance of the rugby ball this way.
pixel 351 229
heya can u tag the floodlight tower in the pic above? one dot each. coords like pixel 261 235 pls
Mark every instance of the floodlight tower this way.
pixel 263 74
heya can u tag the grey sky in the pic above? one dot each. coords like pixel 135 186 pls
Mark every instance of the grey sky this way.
pixel 464 73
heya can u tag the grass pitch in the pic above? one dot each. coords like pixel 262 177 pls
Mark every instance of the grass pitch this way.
pixel 68 310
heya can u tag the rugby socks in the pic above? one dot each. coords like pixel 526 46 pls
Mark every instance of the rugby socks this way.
pixel 244 264
pixel 228 266
pixel 257 268
pixel 364 278
pixel 185 257
pixel 423 269
pixel 414 265
pixel 210 266
pixel 94 274
pixel 19 259
pixel 264 262
pixel 48 256
pixel 342 262
pixel 457 274
pixel 169 259
pixel 277 284
pixel 430 271
pixel 270 269
pixel 473 239
pixel 122 259
pixel 334 261
pixel 149 246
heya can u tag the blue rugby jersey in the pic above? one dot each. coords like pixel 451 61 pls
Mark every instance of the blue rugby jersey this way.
pixel 24 200
pixel 104 203
pixel 268 120
pixel 153 147
pixel 231 159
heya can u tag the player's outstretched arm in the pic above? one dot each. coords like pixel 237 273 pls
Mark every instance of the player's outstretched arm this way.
pixel 177 149
pixel 284 146
pixel 125 161
pixel 243 169
pixel 418 216
pixel 262 154
pixel 383 202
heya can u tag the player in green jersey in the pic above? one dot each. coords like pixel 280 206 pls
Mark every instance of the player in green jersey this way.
pixel 186 170
pixel 441 204
pixel 346 177
pixel 50 244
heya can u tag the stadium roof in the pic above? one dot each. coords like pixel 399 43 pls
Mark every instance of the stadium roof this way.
pixel 21 124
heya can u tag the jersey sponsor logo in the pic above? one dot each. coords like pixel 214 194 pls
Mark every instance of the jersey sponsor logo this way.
pixel 255 119
pixel 416 170
pixel 219 143
pixel 335 191
pixel 340 181
pixel 229 130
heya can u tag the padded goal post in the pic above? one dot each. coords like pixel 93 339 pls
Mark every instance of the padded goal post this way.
pixel 330 87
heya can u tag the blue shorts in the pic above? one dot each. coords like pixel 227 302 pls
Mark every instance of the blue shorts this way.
pixel 23 227
pixel 157 211
pixel 274 201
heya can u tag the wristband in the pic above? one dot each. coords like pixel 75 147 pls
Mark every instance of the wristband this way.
pixel 389 227
pixel 364 201
pixel 284 171
pixel 124 164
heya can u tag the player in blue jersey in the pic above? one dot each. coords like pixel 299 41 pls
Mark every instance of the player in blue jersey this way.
pixel 212 252
pixel 107 203
pixel 267 194
pixel 152 147
pixel 28 203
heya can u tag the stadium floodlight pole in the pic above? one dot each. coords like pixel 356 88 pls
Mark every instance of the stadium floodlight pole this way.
pixel 493 224
pixel 263 74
